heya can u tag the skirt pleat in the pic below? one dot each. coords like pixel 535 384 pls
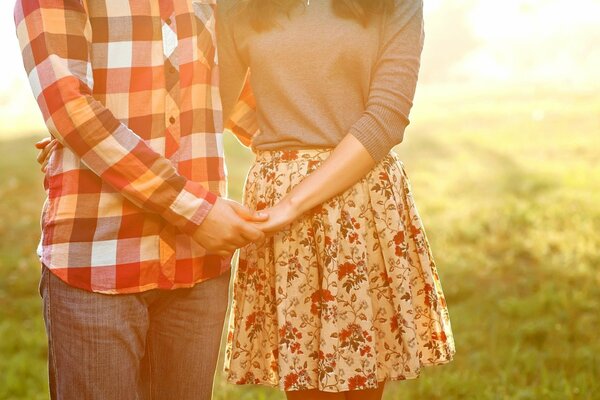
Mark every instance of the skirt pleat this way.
pixel 345 298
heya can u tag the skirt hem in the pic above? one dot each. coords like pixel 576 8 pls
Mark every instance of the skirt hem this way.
pixel 345 388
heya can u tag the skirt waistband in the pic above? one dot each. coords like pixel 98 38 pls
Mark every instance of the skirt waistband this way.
pixel 303 155
pixel 293 155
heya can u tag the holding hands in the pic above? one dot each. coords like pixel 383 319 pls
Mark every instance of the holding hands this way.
pixel 279 217
pixel 227 227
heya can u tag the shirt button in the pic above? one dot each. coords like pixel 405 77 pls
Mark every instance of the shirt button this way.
pixel 172 120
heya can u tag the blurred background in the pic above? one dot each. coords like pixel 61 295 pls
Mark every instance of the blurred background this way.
pixel 504 157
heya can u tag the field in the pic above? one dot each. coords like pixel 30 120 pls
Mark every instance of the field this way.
pixel 509 188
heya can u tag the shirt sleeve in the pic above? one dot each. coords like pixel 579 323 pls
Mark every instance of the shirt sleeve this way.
pixel 243 122
pixel 394 80
pixel 55 39
pixel 239 105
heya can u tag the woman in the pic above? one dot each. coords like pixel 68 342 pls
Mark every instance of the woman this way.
pixel 344 296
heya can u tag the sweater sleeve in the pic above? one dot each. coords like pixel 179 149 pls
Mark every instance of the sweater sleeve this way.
pixel 232 69
pixel 394 80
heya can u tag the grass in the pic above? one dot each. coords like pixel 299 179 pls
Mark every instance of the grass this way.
pixel 509 189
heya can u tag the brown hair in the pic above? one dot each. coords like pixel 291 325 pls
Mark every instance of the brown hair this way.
pixel 262 13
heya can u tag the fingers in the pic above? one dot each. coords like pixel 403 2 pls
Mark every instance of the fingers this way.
pixel 248 215
pixel 44 151
pixel 252 233
pixel 43 143
pixel 44 154
pixel 247 231
pixel 259 216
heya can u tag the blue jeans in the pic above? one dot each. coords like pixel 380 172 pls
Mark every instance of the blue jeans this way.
pixel 156 345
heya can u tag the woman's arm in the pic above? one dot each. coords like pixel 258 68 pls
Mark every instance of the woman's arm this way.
pixel 379 129
pixel 347 164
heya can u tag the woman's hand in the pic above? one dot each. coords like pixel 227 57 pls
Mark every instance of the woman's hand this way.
pixel 280 215
pixel 45 146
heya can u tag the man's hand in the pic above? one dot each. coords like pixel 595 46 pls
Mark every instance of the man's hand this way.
pixel 45 146
pixel 229 226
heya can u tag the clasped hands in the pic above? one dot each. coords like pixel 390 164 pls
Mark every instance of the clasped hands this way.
pixel 230 225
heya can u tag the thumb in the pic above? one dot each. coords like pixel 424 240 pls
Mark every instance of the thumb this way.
pixel 245 213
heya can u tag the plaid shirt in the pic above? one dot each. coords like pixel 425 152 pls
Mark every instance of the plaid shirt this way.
pixel 130 89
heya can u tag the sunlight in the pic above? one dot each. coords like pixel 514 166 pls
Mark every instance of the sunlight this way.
pixel 535 41
pixel 514 42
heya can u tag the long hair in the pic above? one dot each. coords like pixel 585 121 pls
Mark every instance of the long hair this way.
pixel 262 13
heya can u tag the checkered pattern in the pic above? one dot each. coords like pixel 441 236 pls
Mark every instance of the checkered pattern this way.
pixel 130 89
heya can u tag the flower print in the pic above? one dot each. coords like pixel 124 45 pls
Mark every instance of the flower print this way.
pixel 415 231
pixel 319 300
pixel 290 336
pixel 289 155
pixel 346 269
pixel 385 278
pixel 290 381
pixel 352 275
pixel 354 337
pixel 312 165
pixel 357 382
pixel 254 323
pixel 365 350
pixel 439 336
pixel 399 237
pixel 248 378
pixel 399 243
pixel 394 323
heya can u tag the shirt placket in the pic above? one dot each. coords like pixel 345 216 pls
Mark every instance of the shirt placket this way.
pixel 172 81
pixel 172 123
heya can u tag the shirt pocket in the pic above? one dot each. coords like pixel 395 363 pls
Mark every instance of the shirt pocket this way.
pixel 204 10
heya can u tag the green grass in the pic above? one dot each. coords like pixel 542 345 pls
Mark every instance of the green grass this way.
pixel 509 189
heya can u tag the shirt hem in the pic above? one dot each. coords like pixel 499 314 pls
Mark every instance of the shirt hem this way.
pixel 225 267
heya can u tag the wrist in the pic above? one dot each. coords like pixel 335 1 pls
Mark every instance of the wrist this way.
pixel 294 205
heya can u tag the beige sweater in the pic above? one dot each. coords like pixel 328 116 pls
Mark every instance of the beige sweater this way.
pixel 317 77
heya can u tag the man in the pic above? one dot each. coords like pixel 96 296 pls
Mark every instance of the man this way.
pixel 136 241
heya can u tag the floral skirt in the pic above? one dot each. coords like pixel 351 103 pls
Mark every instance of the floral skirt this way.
pixel 347 297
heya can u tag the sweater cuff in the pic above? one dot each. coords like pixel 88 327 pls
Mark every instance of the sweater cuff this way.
pixel 379 136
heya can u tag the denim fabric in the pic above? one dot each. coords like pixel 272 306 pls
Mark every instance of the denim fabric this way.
pixel 156 345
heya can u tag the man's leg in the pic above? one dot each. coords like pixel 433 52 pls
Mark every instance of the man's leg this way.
pixel 95 341
pixel 184 340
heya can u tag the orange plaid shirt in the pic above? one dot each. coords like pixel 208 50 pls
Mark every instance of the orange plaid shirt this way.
pixel 130 90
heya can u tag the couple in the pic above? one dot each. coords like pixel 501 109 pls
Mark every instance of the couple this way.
pixel 336 291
